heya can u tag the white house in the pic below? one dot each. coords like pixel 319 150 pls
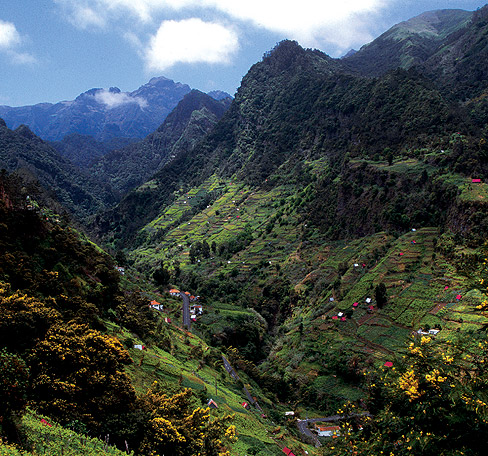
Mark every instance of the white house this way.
pixel 327 431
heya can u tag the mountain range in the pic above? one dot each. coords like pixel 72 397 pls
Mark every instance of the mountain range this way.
pixel 103 114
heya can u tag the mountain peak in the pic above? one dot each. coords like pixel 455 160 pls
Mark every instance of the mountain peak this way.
pixel 219 95
pixel 26 132
pixel 435 24
pixel 408 43
pixel 159 80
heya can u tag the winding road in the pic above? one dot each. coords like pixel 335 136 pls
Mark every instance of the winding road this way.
pixel 186 310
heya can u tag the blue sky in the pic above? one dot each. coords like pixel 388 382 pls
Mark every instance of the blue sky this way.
pixel 53 50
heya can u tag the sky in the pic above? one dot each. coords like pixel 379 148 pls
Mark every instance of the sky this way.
pixel 53 50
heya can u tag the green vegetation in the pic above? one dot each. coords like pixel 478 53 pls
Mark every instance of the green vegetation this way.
pixel 68 352
pixel 41 436
pixel 334 227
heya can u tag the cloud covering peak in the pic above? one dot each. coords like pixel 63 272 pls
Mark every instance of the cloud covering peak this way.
pixel 114 99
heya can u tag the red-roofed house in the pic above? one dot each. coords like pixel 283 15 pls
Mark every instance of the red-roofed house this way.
pixel 476 181
pixel 288 452
pixel 174 292
pixel 196 309
pixel 156 305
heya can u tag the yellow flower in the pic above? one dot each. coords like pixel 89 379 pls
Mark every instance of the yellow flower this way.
pixel 410 384
pixel 448 359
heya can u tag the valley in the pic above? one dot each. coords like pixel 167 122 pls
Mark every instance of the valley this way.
pixel 332 220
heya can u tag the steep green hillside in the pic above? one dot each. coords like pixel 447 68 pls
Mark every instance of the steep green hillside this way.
pixel 325 220
pixel 281 119
pixel 69 324
pixel 80 193
pixel 192 118
pixel 409 43
pixel 258 249
pixel 334 228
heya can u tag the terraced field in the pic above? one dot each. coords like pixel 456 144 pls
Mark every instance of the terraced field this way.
pixel 333 283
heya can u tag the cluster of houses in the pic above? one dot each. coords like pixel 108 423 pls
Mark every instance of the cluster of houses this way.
pixel 175 292
pixel 340 315
pixel 195 309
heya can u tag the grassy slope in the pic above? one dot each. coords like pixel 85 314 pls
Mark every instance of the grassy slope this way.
pixel 185 363
pixel 44 437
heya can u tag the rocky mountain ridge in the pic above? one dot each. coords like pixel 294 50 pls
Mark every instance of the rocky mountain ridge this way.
pixel 103 114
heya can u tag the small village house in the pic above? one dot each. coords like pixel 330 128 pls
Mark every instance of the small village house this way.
pixel 327 431
pixel 156 305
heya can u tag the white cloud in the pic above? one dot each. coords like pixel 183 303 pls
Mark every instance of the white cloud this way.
pixel 314 23
pixel 85 17
pixel 22 58
pixel 9 37
pixel 85 14
pixel 10 40
pixel 114 99
pixel 309 21
pixel 189 41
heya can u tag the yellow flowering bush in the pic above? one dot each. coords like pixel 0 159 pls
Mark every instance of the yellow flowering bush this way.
pixel 410 385
pixel 178 426
pixel 432 401
pixel 77 375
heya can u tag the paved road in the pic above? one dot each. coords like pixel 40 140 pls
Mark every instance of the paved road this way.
pixel 235 375
pixel 229 368
pixel 186 311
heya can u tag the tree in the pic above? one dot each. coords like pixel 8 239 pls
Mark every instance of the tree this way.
pixel 14 380
pixel 431 401
pixel 161 275
pixel 179 427
pixel 380 295
pixel 205 249
pixel 77 374
pixel 23 319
